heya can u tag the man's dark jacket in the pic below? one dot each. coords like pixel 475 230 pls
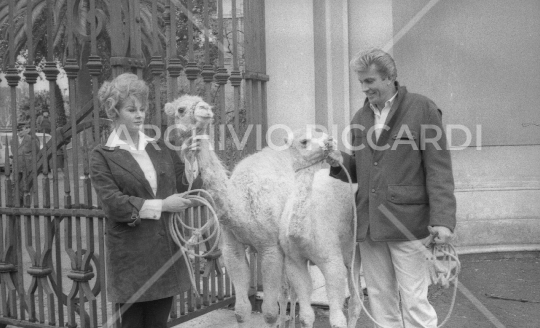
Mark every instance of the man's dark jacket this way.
pixel 405 180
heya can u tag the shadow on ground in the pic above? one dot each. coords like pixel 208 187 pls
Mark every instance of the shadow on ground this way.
pixel 496 290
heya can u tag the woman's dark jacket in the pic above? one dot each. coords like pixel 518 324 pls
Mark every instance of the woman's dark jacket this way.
pixel 142 261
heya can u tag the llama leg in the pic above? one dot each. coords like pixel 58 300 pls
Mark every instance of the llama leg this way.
pixel 335 276
pixel 300 279
pixel 272 274
pixel 283 301
pixel 234 255
pixel 294 299
pixel 356 291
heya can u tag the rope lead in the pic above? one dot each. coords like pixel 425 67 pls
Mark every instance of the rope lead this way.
pixel 177 225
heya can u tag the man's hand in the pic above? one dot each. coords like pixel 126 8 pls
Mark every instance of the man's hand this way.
pixel 443 235
pixel 334 158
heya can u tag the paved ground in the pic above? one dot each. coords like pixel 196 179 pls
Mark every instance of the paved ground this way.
pixel 497 290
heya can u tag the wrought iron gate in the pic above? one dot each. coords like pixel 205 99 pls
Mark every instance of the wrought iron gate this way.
pixel 52 268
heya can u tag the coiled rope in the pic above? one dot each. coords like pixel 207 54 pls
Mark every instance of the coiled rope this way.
pixel 444 269
pixel 442 257
pixel 177 225
pixel 177 221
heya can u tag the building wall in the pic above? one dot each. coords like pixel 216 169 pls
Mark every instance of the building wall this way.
pixel 290 65
pixel 478 61
pixel 369 26
pixel 331 71
pixel 498 193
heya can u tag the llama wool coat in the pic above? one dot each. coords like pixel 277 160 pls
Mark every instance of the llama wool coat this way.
pixel 407 172
pixel 138 251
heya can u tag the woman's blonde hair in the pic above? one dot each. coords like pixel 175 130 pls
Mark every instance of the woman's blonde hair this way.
pixel 112 95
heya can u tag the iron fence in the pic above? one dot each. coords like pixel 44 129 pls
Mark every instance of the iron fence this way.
pixel 52 266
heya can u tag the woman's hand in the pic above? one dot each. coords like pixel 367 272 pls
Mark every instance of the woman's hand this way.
pixel 175 203
pixel 191 144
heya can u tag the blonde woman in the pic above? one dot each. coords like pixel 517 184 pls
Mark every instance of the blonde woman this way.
pixel 137 179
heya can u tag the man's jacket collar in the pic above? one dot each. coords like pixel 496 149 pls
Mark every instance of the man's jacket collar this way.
pixel 395 115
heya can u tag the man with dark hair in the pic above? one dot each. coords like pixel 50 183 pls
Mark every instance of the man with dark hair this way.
pixel 405 191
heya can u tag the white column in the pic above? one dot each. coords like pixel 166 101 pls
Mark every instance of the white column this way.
pixel 290 64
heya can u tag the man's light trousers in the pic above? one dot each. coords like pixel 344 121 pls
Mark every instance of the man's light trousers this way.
pixel 395 270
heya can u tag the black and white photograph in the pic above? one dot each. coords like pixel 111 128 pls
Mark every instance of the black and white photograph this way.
pixel 269 163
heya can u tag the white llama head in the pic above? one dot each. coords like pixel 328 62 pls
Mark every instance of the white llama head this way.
pixel 189 112
pixel 308 147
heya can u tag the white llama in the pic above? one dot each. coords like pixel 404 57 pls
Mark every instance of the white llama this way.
pixel 317 227
pixel 250 204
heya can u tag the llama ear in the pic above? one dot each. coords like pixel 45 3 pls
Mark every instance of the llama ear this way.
pixel 169 109
pixel 110 103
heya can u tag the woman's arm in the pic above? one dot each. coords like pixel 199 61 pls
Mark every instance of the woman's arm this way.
pixel 116 205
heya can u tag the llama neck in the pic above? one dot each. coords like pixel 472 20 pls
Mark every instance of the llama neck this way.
pixel 303 189
pixel 299 228
pixel 214 176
